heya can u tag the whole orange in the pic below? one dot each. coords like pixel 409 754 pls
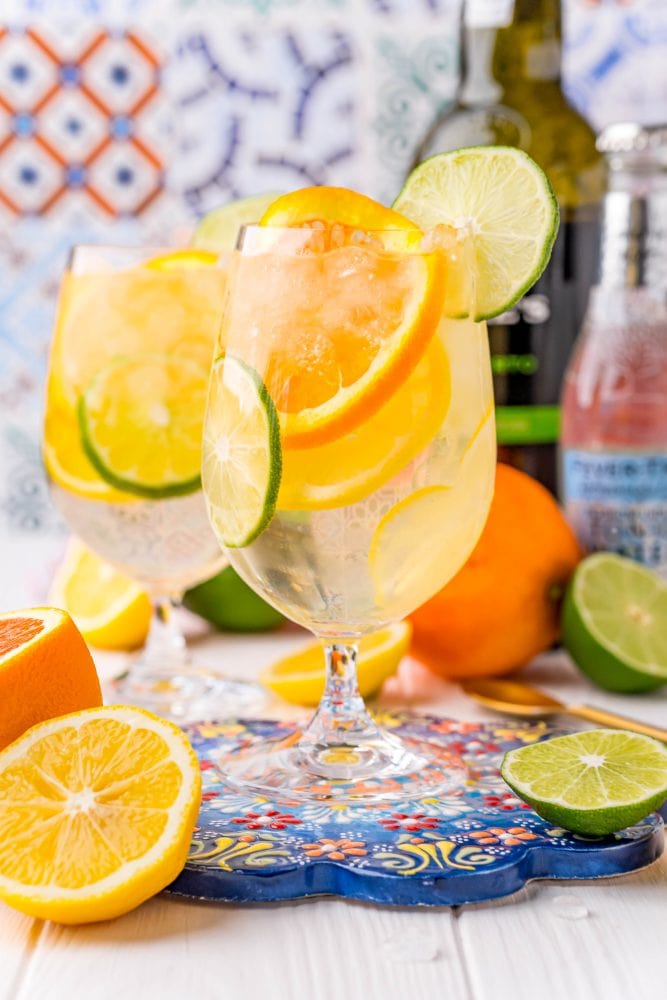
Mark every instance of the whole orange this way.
pixel 502 607
pixel 46 670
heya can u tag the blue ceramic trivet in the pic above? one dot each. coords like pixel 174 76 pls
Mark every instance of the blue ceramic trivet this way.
pixel 478 842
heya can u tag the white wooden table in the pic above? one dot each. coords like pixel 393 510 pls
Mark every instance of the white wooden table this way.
pixel 565 940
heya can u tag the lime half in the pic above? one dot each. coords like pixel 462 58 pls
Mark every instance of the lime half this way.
pixel 614 623
pixel 595 782
pixel 141 420
pixel 499 198
pixel 242 457
pixel 219 228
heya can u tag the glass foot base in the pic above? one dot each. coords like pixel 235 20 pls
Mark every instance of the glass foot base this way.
pixel 382 768
pixel 188 695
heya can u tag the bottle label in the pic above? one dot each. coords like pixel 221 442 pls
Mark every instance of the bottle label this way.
pixel 617 502
pixel 488 13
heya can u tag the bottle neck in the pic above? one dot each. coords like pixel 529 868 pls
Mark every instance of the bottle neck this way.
pixel 507 43
pixel 633 251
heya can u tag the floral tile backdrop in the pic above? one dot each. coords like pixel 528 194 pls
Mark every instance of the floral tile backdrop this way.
pixel 125 120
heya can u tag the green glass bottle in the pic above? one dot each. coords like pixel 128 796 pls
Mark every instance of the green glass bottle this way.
pixel 510 94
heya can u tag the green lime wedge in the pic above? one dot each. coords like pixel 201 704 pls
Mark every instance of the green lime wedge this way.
pixel 499 198
pixel 594 783
pixel 230 604
pixel 242 460
pixel 140 421
pixel 614 623
pixel 219 228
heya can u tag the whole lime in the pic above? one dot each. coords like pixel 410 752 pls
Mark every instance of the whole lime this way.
pixel 231 605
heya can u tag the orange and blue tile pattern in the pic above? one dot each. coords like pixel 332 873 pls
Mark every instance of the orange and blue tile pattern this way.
pixel 477 842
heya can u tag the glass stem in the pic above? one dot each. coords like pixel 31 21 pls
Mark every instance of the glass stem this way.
pixel 341 718
pixel 165 647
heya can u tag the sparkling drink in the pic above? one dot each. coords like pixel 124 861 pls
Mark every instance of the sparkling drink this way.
pixel 122 437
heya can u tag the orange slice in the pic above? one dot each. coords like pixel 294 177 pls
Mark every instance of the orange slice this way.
pixel 329 352
pixel 350 468
pixel 97 810
pixel 45 670
pixel 330 205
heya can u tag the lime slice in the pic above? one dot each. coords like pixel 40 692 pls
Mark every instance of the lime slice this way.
pixel 594 783
pixel 140 421
pixel 218 229
pixel 242 456
pixel 614 623
pixel 499 198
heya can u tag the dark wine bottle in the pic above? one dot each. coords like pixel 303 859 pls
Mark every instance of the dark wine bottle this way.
pixel 510 94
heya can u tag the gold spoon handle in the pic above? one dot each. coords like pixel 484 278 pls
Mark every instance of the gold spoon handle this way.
pixel 604 718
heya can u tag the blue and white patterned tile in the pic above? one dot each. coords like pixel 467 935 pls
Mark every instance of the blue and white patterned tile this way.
pixel 616 61
pixel 413 75
pixel 263 109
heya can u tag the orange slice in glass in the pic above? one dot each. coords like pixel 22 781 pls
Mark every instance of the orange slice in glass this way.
pixel 340 324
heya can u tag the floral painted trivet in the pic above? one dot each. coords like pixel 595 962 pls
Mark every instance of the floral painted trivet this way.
pixel 477 842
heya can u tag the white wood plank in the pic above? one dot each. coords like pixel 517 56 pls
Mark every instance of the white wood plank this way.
pixel 598 940
pixel 322 950
pixel 18 938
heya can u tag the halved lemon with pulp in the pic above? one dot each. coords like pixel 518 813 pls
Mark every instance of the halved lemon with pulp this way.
pixel 97 810
pixel 110 610
pixel 299 677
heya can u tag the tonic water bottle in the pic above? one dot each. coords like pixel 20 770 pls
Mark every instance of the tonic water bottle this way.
pixel 613 461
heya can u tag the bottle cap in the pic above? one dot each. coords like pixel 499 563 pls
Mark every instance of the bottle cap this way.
pixel 630 141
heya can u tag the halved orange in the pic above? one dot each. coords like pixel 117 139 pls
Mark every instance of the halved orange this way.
pixel 336 327
pixel 45 670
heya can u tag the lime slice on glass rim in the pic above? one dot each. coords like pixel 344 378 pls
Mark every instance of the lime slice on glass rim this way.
pixel 140 421
pixel 614 623
pixel 242 463
pixel 499 198
pixel 218 229
pixel 593 783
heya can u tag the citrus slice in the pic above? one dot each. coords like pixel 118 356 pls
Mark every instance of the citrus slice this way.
pixel 299 677
pixel 110 610
pixel 183 259
pixel 219 228
pixel 66 462
pixel 241 464
pixel 500 198
pixel 593 783
pixel 334 206
pixel 329 352
pixel 45 670
pixel 424 539
pixel 614 623
pixel 97 810
pixel 141 424
pixel 352 467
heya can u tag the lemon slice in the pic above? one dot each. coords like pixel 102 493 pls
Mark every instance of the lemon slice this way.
pixel 97 810
pixel 500 198
pixel 183 259
pixel 110 610
pixel 219 228
pixel 299 677
pixel 241 465
pixel 141 424
pixel 424 539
